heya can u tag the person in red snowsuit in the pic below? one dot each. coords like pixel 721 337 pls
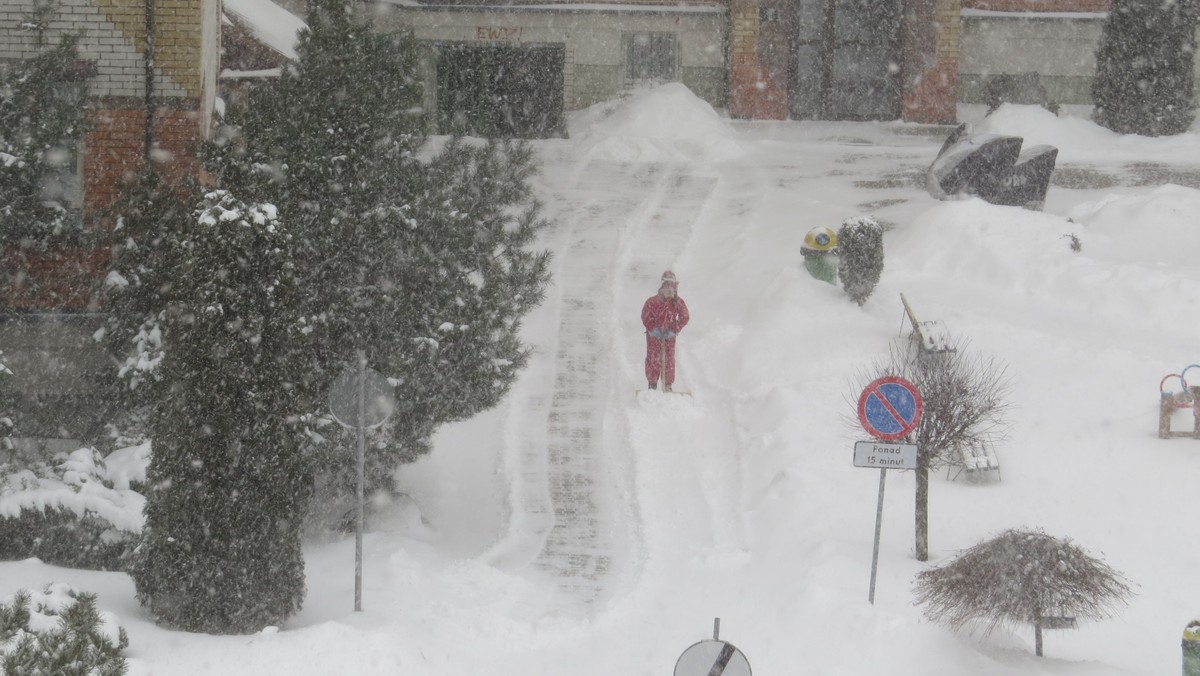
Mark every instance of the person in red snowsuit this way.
pixel 664 315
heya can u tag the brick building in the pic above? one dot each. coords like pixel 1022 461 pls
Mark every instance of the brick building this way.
pixel 113 46
pixel 905 59
pixel 47 316
pixel 844 60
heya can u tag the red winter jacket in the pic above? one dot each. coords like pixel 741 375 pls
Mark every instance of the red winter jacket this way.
pixel 660 313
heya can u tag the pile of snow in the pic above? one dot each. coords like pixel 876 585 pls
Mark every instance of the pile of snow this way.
pixel 1151 228
pixel 667 123
pixel 1081 140
pixel 82 483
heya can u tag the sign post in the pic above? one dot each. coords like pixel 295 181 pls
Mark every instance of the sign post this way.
pixel 361 399
pixel 889 409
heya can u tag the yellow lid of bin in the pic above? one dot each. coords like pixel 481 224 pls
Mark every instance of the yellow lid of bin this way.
pixel 820 239
pixel 1192 631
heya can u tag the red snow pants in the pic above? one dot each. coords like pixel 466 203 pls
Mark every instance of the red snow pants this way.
pixel 654 354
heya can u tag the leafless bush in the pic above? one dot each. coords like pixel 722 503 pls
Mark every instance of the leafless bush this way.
pixel 1021 577
pixel 965 406
pixel 964 395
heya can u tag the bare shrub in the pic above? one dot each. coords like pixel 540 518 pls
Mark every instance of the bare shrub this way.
pixel 1021 577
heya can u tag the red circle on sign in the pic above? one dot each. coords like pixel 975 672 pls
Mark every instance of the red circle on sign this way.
pixel 901 414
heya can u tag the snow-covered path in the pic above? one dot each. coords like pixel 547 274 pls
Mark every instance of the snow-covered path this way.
pixel 574 513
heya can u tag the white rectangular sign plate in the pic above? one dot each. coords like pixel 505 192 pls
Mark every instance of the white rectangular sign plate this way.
pixel 884 455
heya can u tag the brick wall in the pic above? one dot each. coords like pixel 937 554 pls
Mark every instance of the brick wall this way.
pixel 112 40
pixel 115 147
pixel 932 33
pixel 753 92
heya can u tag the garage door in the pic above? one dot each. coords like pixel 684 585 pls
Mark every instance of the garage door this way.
pixel 500 90
pixel 847 60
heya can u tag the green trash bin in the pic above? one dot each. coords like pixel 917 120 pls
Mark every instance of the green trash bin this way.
pixel 822 266
pixel 1191 649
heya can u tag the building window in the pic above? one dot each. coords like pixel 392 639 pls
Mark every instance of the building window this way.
pixel 62 184
pixel 650 57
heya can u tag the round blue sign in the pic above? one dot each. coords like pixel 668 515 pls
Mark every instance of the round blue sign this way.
pixel 889 408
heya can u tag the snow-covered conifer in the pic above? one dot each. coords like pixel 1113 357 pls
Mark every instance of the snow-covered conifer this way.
pixel 227 485
pixel 1144 81
pixel 860 248
pixel 60 631
pixel 418 256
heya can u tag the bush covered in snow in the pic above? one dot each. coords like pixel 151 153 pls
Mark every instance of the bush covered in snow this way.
pixel 228 482
pixel 77 511
pixel 860 247
pixel 1144 65
pixel 59 632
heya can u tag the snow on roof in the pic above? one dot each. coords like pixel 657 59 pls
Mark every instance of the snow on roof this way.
pixel 273 25
pixel 1030 14
pixel 697 8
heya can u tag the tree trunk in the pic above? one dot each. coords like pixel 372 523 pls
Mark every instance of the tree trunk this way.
pixel 1037 639
pixel 922 513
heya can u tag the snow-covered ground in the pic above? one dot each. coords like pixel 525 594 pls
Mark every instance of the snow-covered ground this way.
pixel 587 527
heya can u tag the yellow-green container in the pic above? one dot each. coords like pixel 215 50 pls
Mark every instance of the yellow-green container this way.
pixel 1191 649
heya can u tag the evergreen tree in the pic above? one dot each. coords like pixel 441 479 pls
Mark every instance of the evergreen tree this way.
pixel 227 482
pixel 241 326
pixel 421 261
pixel 42 119
pixel 82 643
pixel 1144 64
pixel 860 245
pixel 7 399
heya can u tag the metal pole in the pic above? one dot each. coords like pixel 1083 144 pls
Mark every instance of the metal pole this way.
pixel 878 528
pixel 361 429
pixel 148 57
pixel 716 628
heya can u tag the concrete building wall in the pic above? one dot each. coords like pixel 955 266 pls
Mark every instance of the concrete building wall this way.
pixel 1060 48
pixel 592 38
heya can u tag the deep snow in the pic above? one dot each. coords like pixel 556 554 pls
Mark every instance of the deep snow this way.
pixel 587 527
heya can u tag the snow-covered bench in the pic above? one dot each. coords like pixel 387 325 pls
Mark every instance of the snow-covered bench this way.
pixel 931 336
pixel 976 461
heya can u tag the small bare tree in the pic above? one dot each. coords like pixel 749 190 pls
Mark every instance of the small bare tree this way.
pixel 964 407
pixel 1021 577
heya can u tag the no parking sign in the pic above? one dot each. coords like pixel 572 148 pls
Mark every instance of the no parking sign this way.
pixel 889 408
